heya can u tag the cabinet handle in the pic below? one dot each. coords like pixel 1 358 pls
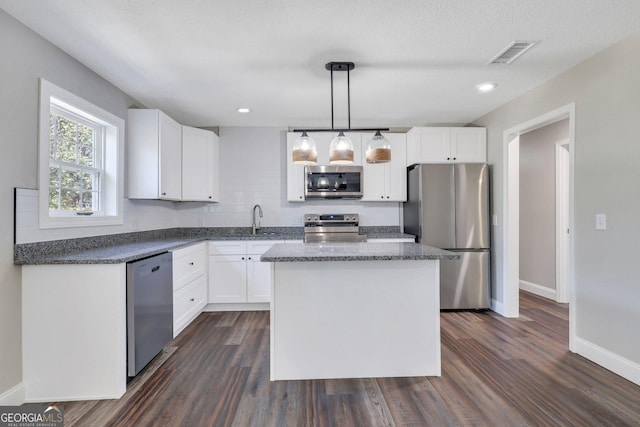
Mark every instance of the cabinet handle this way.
pixel 382 197
pixel 454 158
pixel 387 197
pixel 210 197
pixel 448 158
pixel 249 257
pixel 243 258
pixel 164 194
pixel 301 197
pixel 192 299
pixel 191 263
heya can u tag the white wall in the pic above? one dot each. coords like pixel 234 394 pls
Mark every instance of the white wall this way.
pixel 538 203
pixel 606 92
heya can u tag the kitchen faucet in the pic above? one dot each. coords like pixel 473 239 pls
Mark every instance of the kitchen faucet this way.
pixel 255 227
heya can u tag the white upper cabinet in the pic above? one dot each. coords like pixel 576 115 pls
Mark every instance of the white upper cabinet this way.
pixel 446 145
pixel 199 165
pixel 169 161
pixel 154 155
pixel 386 181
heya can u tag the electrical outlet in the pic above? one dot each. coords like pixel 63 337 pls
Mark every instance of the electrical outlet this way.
pixel 200 221
pixel 601 221
pixel 135 225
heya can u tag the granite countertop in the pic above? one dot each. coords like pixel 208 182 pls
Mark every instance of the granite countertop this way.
pixel 303 252
pixel 115 249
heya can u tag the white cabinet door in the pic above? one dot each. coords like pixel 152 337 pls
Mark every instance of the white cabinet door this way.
pixel 227 278
pixel 188 302
pixel 295 172
pixel 154 149
pixel 428 145
pixel 199 167
pixel 396 183
pixel 386 181
pixel 258 279
pixel 170 158
pixel 469 145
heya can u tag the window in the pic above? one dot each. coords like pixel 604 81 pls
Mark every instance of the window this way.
pixel 80 161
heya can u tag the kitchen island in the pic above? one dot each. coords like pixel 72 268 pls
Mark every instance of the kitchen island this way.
pixel 355 310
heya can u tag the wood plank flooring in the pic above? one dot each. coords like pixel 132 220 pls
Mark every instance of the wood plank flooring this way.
pixel 495 372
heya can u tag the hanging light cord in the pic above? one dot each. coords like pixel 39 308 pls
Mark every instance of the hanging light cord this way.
pixel 348 100
pixel 332 98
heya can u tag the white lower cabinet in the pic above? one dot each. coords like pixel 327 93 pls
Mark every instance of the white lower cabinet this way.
pixel 236 274
pixel 189 284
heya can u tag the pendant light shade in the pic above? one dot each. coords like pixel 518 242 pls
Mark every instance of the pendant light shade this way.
pixel 305 151
pixel 341 150
pixel 378 149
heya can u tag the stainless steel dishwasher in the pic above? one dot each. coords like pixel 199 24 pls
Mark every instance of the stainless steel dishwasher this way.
pixel 149 309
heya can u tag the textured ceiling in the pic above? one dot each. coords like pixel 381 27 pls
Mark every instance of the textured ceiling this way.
pixel 417 61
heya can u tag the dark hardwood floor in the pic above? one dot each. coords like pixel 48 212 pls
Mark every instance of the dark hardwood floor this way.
pixel 495 372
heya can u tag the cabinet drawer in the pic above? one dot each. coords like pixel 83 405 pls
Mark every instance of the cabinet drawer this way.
pixel 228 247
pixel 258 247
pixel 189 263
pixel 188 301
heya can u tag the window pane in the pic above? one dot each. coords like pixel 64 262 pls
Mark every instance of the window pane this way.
pixel 88 180
pixel 52 136
pixel 54 176
pixel 54 199
pixel 85 134
pixel 66 150
pixel 85 155
pixel 70 179
pixel 66 128
pixel 87 201
pixel 69 200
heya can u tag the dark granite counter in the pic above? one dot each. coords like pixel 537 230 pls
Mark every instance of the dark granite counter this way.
pixel 371 251
pixel 125 247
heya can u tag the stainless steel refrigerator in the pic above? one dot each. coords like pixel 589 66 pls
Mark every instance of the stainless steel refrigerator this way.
pixel 448 207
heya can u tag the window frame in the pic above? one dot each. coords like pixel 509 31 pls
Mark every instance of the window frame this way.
pixel 111 185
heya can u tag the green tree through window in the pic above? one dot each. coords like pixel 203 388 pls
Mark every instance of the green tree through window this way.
pixel 75 168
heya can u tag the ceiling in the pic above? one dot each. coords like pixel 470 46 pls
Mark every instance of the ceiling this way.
pixel 417 61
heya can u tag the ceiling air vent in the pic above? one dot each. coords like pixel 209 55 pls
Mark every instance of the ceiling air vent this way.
pixel 511 52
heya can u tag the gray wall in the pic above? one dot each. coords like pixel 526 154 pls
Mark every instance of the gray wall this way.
pixel 606 92
pixel 538 203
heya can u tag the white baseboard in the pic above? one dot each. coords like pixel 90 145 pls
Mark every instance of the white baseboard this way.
pixel 497 307
pixel 14 396
pixel 609 360
pixel 539 290
pixel 253 306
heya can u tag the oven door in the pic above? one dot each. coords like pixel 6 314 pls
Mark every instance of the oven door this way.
pixel 333 182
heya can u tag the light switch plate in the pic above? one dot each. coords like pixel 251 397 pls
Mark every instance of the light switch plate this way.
pixel 494 220
pixel 601 221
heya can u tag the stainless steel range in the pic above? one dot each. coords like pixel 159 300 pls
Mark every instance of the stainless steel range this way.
pixel 332 228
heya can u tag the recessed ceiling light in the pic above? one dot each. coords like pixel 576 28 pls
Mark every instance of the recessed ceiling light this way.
pixel 244 110
pixel 486 87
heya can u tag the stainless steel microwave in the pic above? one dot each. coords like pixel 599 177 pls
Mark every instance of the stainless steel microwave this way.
pixel 333 182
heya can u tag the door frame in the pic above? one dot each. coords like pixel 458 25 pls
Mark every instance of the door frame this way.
pixel 511 199
pixel 562 220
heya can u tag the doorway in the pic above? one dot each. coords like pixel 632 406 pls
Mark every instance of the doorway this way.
pixel 544 187
pixel 511 203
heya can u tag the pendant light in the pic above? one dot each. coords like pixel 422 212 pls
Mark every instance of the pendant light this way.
pixel 378 149
pixel 341 147
pixel 305 151
pixel 341 151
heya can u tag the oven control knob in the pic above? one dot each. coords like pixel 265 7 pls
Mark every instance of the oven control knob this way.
pixel 316 218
